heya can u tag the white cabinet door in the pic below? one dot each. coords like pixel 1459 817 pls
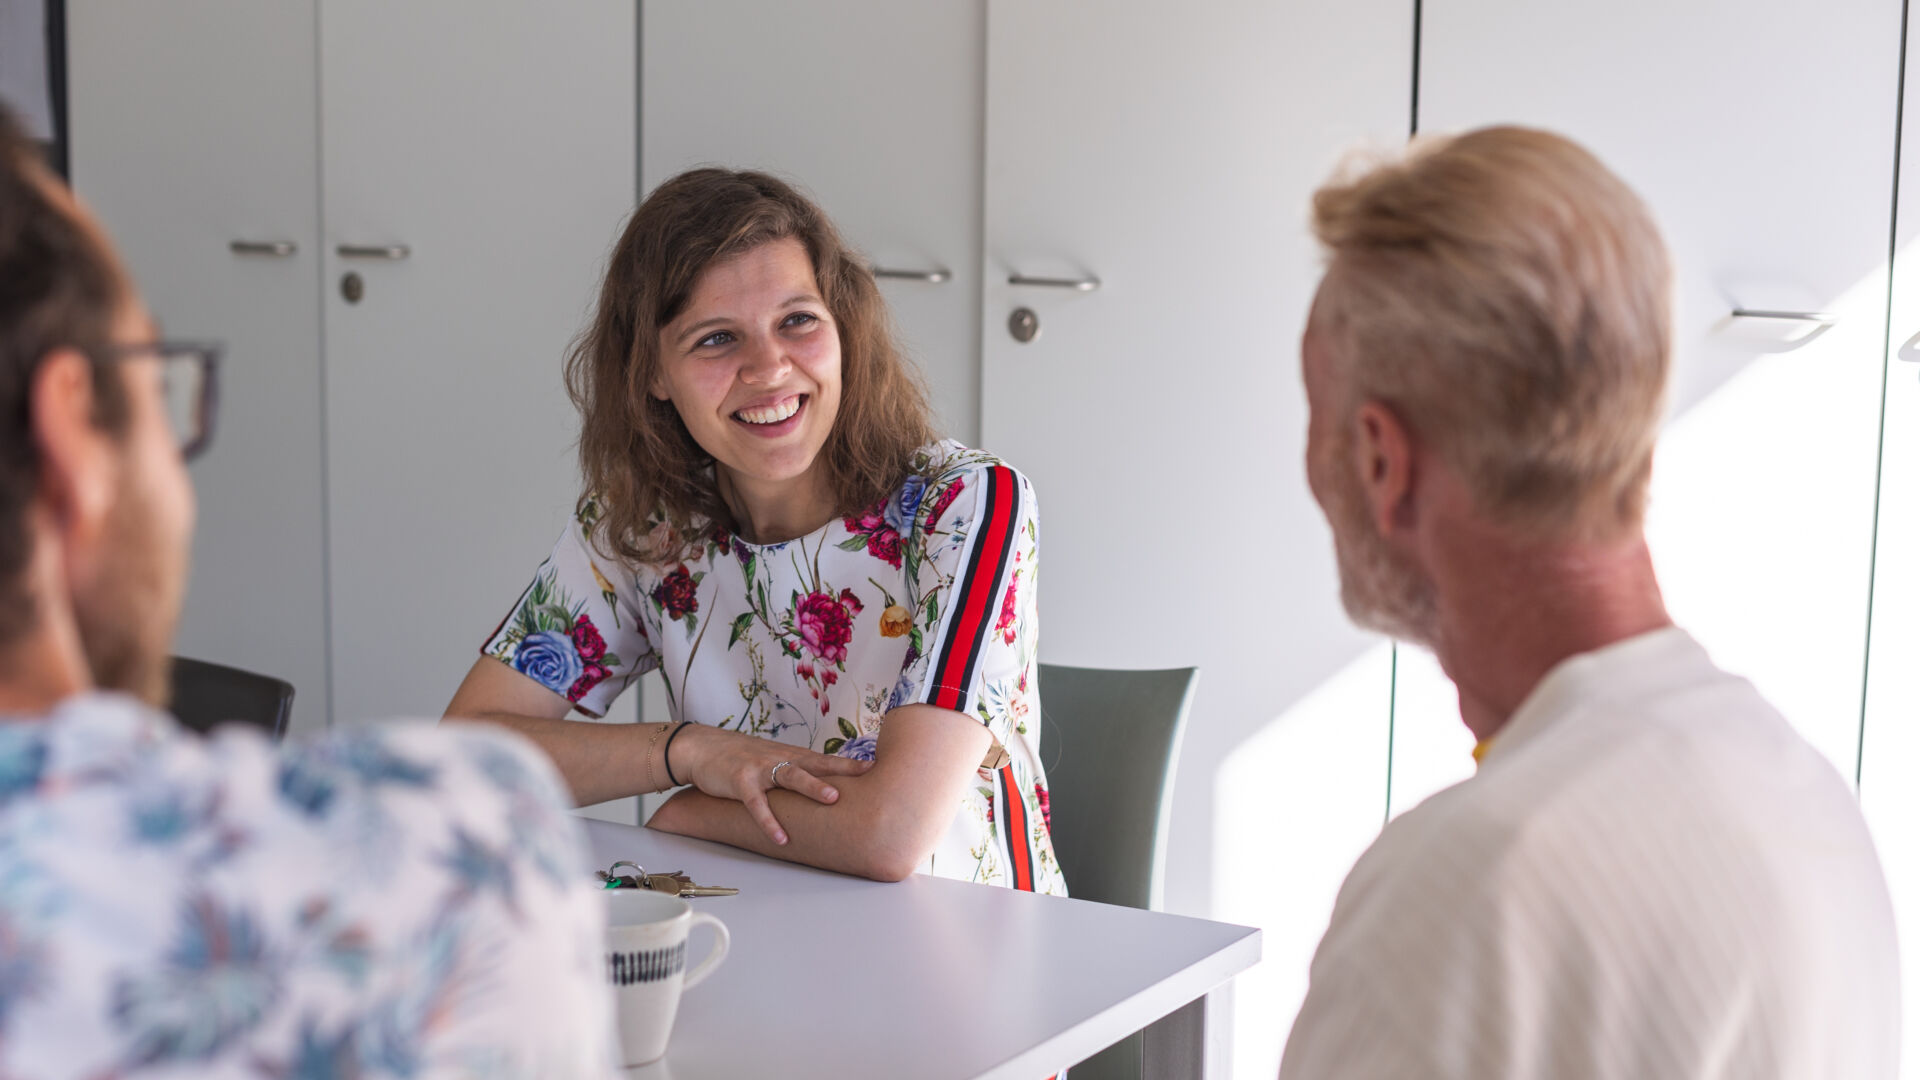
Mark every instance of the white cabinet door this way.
pixel 873 107
pixel 494 139
pixel 193 126
pixel 1890 732
pixel 1171 154
pixel 1762 136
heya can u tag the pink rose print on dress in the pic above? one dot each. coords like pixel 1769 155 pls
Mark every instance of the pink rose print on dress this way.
pixel 825 626
pixel 947 495
pixel 590 676
pixel 593 648
pixel 885 546
pixel 852 602
pixel 676 594
pixel 1005 625
pixel 1046 804
pixel 586 638
pixel 871 531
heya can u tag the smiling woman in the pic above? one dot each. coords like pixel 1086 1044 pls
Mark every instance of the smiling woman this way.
pixel 841 605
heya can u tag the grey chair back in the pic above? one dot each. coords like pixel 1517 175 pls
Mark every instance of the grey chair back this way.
pixel 207 695
pixel 1110 742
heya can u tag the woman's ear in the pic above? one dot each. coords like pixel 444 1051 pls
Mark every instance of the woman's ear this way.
pixel 657 382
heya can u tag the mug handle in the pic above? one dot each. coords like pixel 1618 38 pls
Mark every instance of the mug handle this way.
pixel 721 941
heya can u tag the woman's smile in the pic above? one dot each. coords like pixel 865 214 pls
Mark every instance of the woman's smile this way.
pixel 773 419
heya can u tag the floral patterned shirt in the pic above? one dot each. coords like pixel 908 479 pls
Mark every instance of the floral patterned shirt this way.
pixel 393 902
pixel 927 597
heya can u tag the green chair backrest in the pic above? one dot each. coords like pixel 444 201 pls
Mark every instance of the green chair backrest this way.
pixel 1110 742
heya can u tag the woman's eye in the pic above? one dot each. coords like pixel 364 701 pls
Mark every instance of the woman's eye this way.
pixel 718 337
pixel 801 318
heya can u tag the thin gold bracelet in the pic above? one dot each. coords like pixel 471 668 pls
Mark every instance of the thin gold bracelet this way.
pixel 657 732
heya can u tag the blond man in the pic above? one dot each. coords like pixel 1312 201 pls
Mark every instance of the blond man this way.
pixel 1651 874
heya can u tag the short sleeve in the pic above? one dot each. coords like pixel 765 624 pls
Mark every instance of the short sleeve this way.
pixel 577 629
pixel 973 592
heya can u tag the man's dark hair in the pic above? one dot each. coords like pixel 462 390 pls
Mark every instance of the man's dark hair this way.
pixel 58 289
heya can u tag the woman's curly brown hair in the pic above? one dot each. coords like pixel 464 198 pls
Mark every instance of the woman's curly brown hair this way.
pixel 637 459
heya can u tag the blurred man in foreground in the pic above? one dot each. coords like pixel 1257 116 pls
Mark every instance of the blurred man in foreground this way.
pixel 1651 875
pixel 407 902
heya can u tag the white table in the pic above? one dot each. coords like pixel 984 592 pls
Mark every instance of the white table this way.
pixel 834 976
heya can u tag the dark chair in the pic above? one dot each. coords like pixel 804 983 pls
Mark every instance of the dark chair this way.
pixel 207 695
pixel 1110 741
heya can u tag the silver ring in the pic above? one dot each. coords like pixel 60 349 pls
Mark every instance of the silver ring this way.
pixel 774 776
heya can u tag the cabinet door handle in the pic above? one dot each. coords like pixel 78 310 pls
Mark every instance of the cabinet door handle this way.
pixel 931 277
pixel 1079 284
pixel 1821 318
pixel 278 249
pixel 374 251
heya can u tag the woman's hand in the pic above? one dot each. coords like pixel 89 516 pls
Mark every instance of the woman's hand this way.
pixel 732 765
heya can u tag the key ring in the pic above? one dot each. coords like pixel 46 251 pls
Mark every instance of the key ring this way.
pixel 614 880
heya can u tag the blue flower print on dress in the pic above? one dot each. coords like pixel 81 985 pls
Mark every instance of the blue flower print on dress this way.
pixel 550 659
pixel 216 985
pixel 860 749
pixel 902 507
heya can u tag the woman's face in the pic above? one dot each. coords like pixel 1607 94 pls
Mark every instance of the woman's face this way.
pixel 753 364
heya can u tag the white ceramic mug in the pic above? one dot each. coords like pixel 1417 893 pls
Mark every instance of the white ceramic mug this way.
pixel 647 965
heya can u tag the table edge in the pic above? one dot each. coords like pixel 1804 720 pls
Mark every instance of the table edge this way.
pixel 1125 1017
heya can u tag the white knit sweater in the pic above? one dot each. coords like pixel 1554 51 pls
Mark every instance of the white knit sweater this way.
pixel 1652 875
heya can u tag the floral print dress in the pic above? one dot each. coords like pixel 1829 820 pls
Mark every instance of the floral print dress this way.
pixel 928 597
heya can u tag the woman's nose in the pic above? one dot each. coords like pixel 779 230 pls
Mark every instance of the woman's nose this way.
pixel 766 362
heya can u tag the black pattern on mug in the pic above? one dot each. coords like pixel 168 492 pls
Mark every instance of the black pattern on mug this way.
pixel 628 968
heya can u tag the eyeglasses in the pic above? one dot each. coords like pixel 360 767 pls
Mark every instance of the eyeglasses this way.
pixel 189 385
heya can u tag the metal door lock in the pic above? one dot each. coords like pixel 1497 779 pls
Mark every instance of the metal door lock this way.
pixel 352 288
pixel 1024 325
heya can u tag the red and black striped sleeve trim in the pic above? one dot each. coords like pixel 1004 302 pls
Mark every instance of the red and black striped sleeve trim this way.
pixel 1013 812
pixel 957 654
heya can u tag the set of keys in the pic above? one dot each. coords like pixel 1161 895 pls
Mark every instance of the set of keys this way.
pixel 674 884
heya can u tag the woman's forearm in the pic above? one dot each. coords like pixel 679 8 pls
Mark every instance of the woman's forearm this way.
pixel 884 822
pixel 848 836
pixel 598 761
